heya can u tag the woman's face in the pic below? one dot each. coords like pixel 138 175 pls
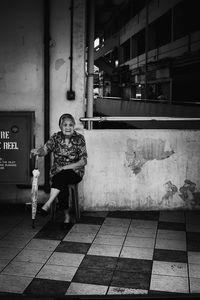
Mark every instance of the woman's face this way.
pixel 67 127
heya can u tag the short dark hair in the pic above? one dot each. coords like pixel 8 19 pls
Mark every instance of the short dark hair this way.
pixel 66 116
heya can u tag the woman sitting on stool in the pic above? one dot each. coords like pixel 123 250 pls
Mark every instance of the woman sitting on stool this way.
pixel 70 157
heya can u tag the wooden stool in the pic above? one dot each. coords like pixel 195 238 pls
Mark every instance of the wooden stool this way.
pixel 73 202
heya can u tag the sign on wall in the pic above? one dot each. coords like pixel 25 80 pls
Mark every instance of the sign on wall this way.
pixel 16 139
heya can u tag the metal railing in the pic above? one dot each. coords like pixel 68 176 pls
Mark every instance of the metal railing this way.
pixel 150 100
pixel 125 119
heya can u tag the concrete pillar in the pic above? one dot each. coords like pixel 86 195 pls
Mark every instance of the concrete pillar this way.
pixel 60 62
pixel 90 81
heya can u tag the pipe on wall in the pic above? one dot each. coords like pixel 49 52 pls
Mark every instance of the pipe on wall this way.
pixel 47 160
pixel 90 58
pixel 71 93
pixel 146 46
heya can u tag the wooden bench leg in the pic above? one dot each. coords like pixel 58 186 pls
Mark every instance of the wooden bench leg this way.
pixel 73 194
pixel 73 202
pixel 76 199
pixel 53 211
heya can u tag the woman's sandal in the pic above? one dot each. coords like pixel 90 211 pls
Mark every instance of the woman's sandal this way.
pixel 42 212
pixel 66 226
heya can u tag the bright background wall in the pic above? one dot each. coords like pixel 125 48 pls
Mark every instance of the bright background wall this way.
pixel 142 170
pixel 22 68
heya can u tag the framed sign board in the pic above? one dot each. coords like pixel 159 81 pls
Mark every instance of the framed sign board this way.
pixel 16 140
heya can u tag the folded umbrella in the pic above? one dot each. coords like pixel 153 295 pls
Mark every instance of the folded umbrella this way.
pixel 34 190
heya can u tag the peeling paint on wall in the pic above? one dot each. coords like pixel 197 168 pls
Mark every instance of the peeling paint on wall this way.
pixel 149 202
pixel 190 194
pixel 171 190
pixel 148 149
pixel 58 63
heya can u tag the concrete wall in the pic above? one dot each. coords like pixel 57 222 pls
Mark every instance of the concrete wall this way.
pixel 21 68
pixel 142 170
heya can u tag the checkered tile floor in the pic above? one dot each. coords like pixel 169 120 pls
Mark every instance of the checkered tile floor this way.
pixel 106 253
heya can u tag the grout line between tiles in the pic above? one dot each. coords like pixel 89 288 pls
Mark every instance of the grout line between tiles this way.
pixel 119 256
pixel 88 248
pixel 153 252
pixel 15 255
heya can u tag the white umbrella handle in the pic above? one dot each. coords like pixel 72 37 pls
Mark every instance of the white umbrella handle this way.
pixel 36 162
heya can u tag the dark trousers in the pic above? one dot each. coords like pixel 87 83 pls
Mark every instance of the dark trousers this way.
pixel 60 181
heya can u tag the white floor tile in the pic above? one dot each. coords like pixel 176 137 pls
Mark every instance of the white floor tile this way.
pixel 20 268
pixel 142 232
pixel 138 253
pixel 125 291
pixel 76 288
pixel 14 243
pixel 172 216
pixel 113 230
pixel 194 270
pixel 171 234
pixel 139 242
pixel 104 250
pixel 115 240
pixel 79 237
pixel 144 224
pixel 194 285
pixel 21 233
pixel 9 253
pixel 3 232
pixel 3 263
pixel 66 259
pixel 56 272
pixel 169 284
pixel 85 228
pixel 40 244
pixel 14 284
pixel 30 255
pixel 194 257
pixel 170 268
pixel 168 244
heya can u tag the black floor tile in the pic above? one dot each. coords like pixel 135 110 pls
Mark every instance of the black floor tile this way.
pixel 50 235
pixel 12 208
pixel 193 241
pixel 171 226
pixel 140 215
pixel 121 214
pixel 134 265
pixel 91 220
pixel 46 287
pixel 170 255
pixel 169 294
pixel 146 215
pixel 52 231
pixel 134 280
pixel 101 262
pixel 52 226
pixel 73 247
pixel 93 276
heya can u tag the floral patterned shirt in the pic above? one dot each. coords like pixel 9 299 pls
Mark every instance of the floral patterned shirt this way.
pixel 64 154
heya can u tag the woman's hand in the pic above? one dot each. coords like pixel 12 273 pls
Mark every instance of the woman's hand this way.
pixel 82 162
pixel 66 167
pixel 34 152
pixel 40 152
